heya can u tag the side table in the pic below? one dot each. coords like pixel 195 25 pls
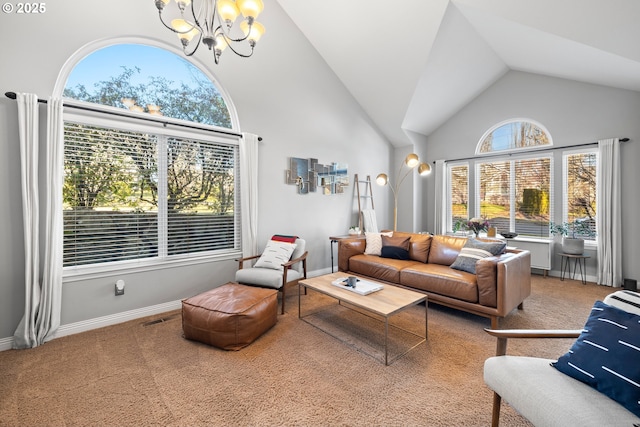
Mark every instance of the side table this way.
pixel 578 261
pixel 334 239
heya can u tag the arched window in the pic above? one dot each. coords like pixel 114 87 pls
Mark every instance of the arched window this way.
pixel 141 189
pixel 513 134
pixel 148 79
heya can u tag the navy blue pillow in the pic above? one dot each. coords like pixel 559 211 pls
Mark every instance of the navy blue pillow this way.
pixel 606 354
pixel 394 252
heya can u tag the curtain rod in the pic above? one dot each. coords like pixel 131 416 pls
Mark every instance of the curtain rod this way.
pixel 528 151
pixel 12 95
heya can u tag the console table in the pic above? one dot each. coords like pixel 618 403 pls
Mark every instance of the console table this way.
pixel 578 261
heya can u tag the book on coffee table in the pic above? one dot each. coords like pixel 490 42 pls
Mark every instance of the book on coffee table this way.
pixel 363 287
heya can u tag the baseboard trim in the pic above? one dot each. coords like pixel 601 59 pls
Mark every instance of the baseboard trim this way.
pixel 101 322
pixel 6 343
pixel 114 319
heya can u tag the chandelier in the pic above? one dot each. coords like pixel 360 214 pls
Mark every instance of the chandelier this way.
pixel 211 25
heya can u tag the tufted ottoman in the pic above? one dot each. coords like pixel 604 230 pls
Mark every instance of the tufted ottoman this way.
pixel 231 316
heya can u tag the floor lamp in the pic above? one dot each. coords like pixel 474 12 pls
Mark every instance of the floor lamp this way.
pixel 410 162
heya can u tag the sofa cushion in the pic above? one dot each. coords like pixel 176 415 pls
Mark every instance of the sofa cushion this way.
pixel 275 254
pixel 445 249
pixel 396 247
pixel 605 354
pixel 475 250
pixel 441 279
pixel 385 269
pixel 374 242
pixel 419 245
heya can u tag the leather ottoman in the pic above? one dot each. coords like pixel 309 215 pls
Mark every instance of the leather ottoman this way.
pixel 231 316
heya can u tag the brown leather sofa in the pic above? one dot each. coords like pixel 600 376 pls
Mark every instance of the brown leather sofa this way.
pixel 501 283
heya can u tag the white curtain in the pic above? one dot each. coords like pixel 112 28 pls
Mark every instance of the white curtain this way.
pixel 26 335
pixel 608 215
pixel 42 297
pixel 49 313
pixel 440 214
pixel 249 193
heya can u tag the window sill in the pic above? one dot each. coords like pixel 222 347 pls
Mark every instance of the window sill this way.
pixel 76 274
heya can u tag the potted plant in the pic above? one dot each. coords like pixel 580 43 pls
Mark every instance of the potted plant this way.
pixel 476 225
pixel 354 230
pixel 573 234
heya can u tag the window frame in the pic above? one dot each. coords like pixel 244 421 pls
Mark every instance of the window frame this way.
pixel 514 149
pixel 588 243
pixel 99 115
pixel 449 211
pixel 531 154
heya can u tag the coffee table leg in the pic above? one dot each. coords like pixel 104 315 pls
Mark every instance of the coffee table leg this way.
pixel 386 338
pixel 426 319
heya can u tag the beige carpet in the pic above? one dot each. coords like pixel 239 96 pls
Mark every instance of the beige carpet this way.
pixel 141 374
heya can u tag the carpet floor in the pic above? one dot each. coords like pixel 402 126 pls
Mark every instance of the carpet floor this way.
pixel 144 373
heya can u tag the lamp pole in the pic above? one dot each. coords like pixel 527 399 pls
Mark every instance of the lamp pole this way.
pixel 411 161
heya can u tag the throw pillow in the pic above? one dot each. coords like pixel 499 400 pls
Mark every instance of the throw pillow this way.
pixel 628 301
pixel 473 250
pixel 275 254
pixel 605 355
pixel 374 242
pixel 396 247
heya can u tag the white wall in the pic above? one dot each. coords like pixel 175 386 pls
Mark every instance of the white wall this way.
pixel 574 113
pixel 285 93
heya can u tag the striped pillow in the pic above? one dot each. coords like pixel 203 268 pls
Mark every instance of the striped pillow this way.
pixel 474 250
pixel 625 300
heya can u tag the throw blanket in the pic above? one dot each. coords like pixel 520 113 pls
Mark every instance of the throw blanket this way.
pixel 284 238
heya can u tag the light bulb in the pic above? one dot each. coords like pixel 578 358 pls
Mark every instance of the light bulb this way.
pixel 412 160
pixel 382 179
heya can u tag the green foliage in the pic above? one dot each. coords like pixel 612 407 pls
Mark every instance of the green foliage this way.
pixel 200 102
pixel 534 201
pixel 574 229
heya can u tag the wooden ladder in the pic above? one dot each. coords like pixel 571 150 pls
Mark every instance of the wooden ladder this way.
pixel 364 197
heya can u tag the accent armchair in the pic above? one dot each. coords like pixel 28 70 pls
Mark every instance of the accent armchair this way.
pixel 275 268
pixel 548 397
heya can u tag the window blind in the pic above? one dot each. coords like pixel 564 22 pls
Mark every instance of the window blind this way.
pixel 133 195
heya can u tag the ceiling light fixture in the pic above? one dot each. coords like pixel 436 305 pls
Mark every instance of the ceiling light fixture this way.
pixel 411 161
pixel 212 24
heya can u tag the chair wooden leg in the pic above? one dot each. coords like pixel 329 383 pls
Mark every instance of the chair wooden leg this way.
pixel 284 287
pixel 495 322
pixel 495 413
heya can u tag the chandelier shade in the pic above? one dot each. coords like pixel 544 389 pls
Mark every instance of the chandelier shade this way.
pixel 212 22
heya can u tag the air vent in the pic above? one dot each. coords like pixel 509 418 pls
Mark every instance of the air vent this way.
pixel 160 320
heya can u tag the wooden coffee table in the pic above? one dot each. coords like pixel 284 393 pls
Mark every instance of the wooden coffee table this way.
pixel 384 303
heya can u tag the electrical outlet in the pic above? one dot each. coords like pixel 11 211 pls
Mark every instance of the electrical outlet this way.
pixel 120 287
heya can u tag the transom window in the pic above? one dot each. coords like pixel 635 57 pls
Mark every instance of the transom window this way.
pixel 513 134
pixel 136 189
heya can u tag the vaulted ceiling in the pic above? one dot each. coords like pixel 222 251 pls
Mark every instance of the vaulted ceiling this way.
pixel 412 64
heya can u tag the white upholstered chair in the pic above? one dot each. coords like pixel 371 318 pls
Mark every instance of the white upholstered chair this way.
pixel 543 394
pixel 277 276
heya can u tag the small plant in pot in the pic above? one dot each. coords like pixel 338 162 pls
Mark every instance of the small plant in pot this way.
pixel 573 234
